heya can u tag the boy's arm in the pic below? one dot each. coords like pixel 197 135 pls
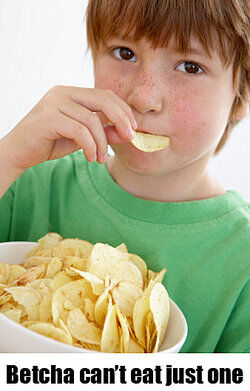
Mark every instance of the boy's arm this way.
pixel 236 335
pixel 8 172
pixel 6 208
pixel 62 122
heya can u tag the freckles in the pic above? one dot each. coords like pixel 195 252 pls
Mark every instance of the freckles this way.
pixel 181 111
pixel 108 81
pixel 147 79
pixel 188 121
pixel 116 85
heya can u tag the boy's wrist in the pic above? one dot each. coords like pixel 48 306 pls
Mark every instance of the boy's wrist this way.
pixel 9 172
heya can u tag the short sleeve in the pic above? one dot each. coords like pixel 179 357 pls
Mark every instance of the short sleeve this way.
pixel 6 207
pixel 236 334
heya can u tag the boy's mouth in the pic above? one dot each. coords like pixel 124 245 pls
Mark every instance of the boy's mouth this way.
pixel 152 133
pixel 148 142
pixel 143 131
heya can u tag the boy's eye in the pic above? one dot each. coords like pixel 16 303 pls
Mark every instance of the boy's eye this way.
pixel 190 67
pixel 123 53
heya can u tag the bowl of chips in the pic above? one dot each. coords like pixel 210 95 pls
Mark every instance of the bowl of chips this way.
pixel 68 295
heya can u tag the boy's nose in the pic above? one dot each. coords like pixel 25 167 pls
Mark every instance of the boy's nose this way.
pixel 145 94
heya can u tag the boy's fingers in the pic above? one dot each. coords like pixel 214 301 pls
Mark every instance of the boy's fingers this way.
pixel 71 129
pixel 125 107
pixel 91 121
pixel 103 100
pixel 112 135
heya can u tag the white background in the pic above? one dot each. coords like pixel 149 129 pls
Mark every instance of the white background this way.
pixel 43 43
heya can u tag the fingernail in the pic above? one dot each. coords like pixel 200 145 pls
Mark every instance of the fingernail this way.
pixel 131 133
pixel 94 157
pixel 134 124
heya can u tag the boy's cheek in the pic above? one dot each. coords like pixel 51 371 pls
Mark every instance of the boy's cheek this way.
pixel 106 82
pixel 192 129
pixel 122 86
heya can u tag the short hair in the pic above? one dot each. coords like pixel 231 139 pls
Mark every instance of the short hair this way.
pixel 160 20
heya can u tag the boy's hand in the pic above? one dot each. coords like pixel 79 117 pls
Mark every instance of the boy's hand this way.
pixel 64 121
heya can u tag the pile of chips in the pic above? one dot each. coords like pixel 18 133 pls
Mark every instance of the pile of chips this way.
pixel 94 297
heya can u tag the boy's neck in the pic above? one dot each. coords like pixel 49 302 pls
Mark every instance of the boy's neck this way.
pixel 188 184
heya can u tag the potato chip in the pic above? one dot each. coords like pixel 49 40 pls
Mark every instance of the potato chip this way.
pixel 102 252
pixel 76 262
pixel 30 275
pixel 160 307
pixel 150 330
pixel 156 277
pixel 51 331
pixel 96 282
pixel 54 267
pixel 134 346
pixel 13 314
pixel 89 310
pixel 131 327
pixel 42 286
pixel 66 330
pixel 81 329
pixel 110 282
pixel 110 339
pixel 103 303
pixel 152 341
pixel 27 297
pixel 124 334
pixel 5 298
pixel 36 260
pixel 68 306
pixel 13 307
pixel 138 261
pixel 73 247
pixel 140 313
pixel 45 243
pixel 123 248
pixel 151 275
pixel 15 272
pixel 2 287
pixel 75 292
pixel 45 314
pixel 4 272
pixel 89 346
pixel 7 306
pixel 125 295
pixel 50 240
pixel 149 142
pixel 108 261
pixel 59 280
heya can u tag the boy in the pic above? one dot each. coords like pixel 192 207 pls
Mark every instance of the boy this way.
pixel 164 68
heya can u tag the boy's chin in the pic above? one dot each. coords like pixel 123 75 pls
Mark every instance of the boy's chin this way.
pixel 143 163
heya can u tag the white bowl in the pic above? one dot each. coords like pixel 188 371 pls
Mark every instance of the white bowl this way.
pixel 15 338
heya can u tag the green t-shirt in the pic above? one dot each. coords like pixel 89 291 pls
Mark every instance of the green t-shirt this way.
pixel 205 245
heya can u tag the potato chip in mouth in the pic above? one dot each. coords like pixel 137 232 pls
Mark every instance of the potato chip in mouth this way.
pixel 149 142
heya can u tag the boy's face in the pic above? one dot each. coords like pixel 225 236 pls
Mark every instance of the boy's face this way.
pixel 185 97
